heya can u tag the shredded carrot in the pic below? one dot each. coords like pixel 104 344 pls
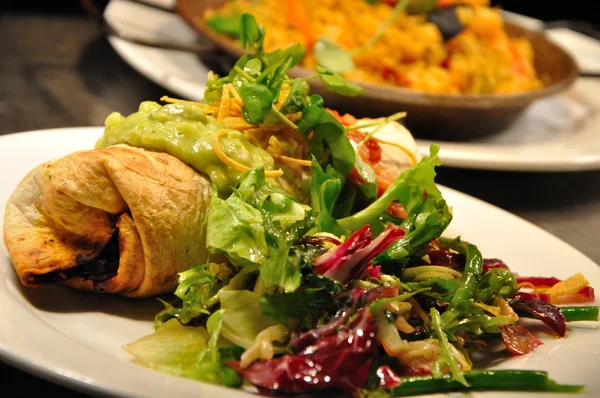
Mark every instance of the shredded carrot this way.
pixel 224 106
pixel 235 93
pixel 234 164
pixel 406 151
pixel 301 162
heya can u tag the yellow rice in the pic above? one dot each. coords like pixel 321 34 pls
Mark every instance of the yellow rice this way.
pixel 412 52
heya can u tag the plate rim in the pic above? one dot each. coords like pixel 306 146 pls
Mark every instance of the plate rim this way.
pixel 97 384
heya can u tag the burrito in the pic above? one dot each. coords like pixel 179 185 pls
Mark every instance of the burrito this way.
pixel 120 220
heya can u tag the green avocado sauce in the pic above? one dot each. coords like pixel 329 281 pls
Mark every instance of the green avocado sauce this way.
pixel 186 132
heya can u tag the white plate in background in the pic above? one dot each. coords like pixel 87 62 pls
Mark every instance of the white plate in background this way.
pixel 554 134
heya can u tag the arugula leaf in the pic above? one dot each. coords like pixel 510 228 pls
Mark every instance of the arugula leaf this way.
pixel 317 100
pixel 258 100
pixel 329 143
pixel 279 76
pixel 446 357
pixel 305 253
pixel 297 99
pixel 413 186
pixel 461 313
pixel 311 117
pixel 440 288
pixel 302 305
pixel 336 83
pixel 276 270
pixel 227 24
pixel 325 191
pixel 296 51
pixel 497 281
pixel 251 35
pixel 347 200
pixel 369 184
pixel 428 212
pixel 316 281
pixel 236 229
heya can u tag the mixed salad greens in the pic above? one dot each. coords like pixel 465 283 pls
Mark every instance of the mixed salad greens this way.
pixel 338 292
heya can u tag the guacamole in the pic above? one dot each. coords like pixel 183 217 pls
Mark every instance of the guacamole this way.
pixel 186 132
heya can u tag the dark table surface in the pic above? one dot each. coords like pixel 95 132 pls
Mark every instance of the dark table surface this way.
pixel 58 70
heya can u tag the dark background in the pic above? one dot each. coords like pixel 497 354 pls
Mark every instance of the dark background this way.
pixel 543 9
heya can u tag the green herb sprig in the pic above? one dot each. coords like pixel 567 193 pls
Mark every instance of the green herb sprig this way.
pixel 258 77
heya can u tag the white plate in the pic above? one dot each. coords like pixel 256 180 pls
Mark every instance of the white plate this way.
pixel 556 134
pixel 74 338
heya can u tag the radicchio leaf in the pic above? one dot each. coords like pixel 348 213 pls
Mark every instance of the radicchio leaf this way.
pixel 538 280
pixel 492 263
pixel 446 257
pixel 348 260
pixel 518 340
pixel 545 312
pixel 339 361
pixel 350 301
pixel 387 377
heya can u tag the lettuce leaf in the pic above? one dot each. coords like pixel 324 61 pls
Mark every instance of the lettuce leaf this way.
pixel 172 348
pixel 187 351
pixel 263 194
pixel 235 229
pixel 209 365
pixel 242 319
pixel 256 226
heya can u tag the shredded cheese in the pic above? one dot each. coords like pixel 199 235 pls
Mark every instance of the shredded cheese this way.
pixel 403 326
pixel 234 164
pixel 262 348
pixel 419 310
pixel 301 162
pixel 489 308
pixel 505 310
